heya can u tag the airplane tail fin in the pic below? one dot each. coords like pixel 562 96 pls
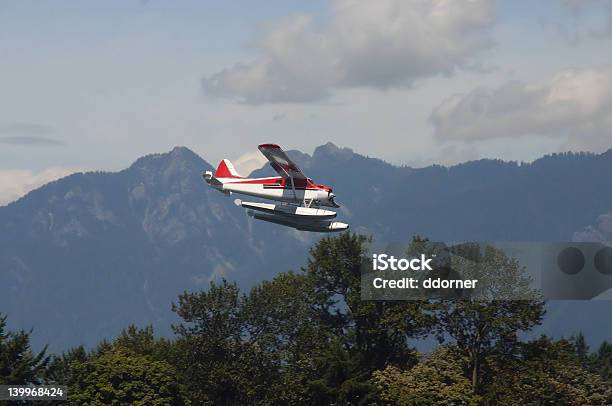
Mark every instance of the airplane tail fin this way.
pixel 226 170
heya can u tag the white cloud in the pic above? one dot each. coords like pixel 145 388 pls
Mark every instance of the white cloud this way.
pixel 601 231
pixel 247 163
pixel 381 44
pixel 15 183
pixel 574 104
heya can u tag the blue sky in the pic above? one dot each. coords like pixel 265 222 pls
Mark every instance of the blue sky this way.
pixel 94 85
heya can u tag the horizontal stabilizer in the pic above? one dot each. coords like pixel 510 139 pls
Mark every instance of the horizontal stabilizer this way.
pixel 214 182
pixel 211 179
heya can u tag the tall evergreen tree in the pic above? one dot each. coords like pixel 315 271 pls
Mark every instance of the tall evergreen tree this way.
pixel 61 367
pixel 18 364
pixel 602 361
pixel 372 334
pixel 582 350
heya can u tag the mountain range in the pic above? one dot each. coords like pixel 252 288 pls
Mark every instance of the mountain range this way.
pixel 84 256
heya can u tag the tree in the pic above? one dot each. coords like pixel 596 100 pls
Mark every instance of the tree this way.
pixel 488 327
pixel 544 371
pixel 135 367
pixel 281 342
pixel 371 334
pixel 581 349
pixel 280 319
pixel 210 343
pixel 378 331
pixel 61 367
pixel 118 377
pixel 143 342
pixel 340 378
pixel 18 364
pixel 231 351
pixel 602 361
pixel 436 380
pixel 251 348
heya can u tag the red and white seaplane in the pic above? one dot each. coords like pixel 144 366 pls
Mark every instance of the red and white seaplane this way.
pixel 300 199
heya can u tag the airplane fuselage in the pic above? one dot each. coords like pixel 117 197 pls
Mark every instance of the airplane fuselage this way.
pixel 279 189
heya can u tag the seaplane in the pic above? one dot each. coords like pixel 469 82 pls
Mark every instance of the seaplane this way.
pixel 299 201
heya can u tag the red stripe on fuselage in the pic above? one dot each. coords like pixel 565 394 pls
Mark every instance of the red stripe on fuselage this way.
pixel 273 183
pixel 289 187
pixel 262 181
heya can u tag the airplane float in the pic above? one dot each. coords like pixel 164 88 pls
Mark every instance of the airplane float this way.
pixel 299 198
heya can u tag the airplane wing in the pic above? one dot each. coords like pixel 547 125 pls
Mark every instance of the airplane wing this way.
pixel 281 163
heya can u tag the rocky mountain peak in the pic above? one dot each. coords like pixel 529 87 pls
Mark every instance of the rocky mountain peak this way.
pixel 332 150
pixel 178 156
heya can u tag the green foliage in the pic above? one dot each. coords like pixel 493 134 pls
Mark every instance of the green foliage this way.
pixel 546 372
pixel 581 350
pixel 484 331
pixel 367 335
pixel 61 368
pixel 438 379
pixel 340 379
pixel 539 372
pixel 377 330
pixel 220 354
pixel 601 361
pixel 18 364
pixel 282 342
pixel 134 368
pixel 118 377
pixel 142 342
pixel 280 319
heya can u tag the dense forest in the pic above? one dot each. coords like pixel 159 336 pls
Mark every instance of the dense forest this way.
pixel 306 337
